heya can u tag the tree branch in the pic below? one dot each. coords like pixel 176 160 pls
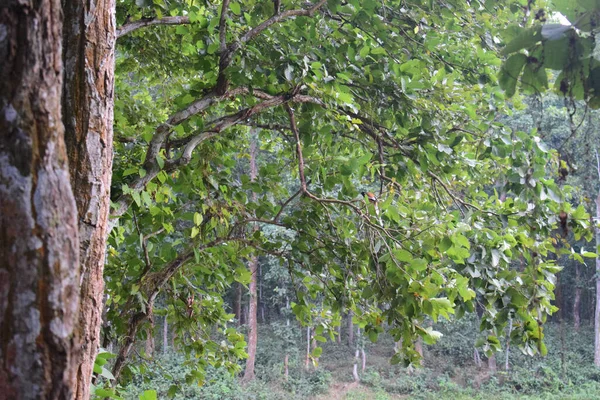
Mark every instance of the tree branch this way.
pixel 228 52
pixel 223 26
pixel 212 129
pixel 141 23
pixel 458 199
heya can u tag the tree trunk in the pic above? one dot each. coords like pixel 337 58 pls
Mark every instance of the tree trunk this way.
pixel 150 341
pixel 492 364
pixel 87 105
pixel 350 329
pixel 577 300
pixel 356 358
pixel 419 349
pixel 165 336
pixel 476 357
pixel 261 305
pixel 253 302
pixel 364 358
pixel 237 305
pixel 252 323
pixel 597 311
pixel 307 364
pixel 506 361
pixel 39 271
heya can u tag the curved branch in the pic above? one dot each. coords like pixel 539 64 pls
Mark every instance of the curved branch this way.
pixel 191 142
pixel 141 23
pixel 228 52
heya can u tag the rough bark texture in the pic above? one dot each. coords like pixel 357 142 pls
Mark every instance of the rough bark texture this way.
pixel 89 49
pixel 253 301
pixel 39 286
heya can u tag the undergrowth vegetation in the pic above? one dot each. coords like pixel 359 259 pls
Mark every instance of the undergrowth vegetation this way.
pixel 449 371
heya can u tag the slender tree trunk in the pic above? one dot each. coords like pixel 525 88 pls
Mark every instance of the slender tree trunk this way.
pixel 39 240
pixel 350 329
pixel 253 302
pixel 165 335
pixel 252 323
pixel 307 364
pixel 492 364
pixel 364 357
pixel 577 300
pixel 261 305
pixel 356 357
pixel 237 306
pixel 150 341
pixel 506 361
pixel 286 371
pixel 88 54
pixel 476 357
pixel 419 349
pixel 597 311
pixel 339 335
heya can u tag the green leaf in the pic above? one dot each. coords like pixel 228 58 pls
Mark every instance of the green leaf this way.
pixel 526 38
pixel 149 395
pixel 173 389
pixel 403 255
pixel 235 8
pixel 317 351
pixel 509 74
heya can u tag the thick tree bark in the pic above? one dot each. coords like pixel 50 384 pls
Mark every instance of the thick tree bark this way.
pixel 39 274
pixel 253 302
pixel 89 50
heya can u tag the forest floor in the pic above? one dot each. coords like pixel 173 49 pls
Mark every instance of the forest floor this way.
pixel 448 372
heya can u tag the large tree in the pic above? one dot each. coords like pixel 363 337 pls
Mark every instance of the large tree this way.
pixel 39 278
pixel 397 98
pixel 55 183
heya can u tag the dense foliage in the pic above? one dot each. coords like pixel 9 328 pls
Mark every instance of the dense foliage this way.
pixel 398 98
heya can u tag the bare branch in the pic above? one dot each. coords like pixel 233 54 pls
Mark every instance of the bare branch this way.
pixel 141 23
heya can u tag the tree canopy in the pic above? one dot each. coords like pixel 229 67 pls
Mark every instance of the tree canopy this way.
pixel 400 98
